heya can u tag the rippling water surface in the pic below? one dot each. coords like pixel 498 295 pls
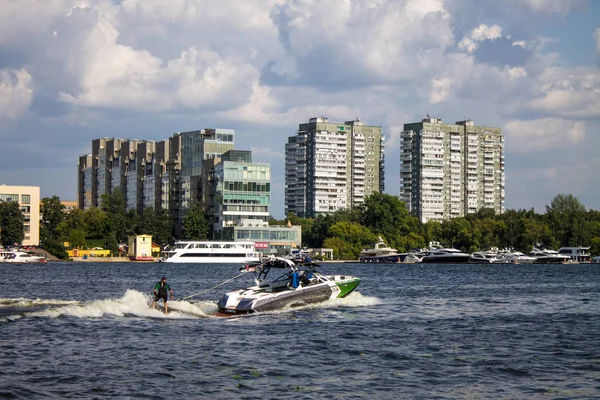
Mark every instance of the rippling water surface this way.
pixel 84 330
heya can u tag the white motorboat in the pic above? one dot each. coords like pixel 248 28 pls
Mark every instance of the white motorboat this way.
pixel 212 252
pixel 382 253
pixel 280 283
pixel 439 255
pixel 546 256
pixel 515 257
pixel 16 256
pixel 483 257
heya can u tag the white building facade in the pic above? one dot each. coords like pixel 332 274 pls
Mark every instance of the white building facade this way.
pixel 28 198
pixel 332 166
pixel 451 170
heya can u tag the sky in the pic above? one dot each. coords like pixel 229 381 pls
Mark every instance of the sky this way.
pixel 75 70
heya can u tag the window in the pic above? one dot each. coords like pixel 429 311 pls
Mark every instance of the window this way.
pixel 25 199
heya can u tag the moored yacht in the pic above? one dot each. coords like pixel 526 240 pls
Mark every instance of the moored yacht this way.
pixel 545 256
pixel 438 255
pixel 15 256
pixel 380 253
pixel 515 257
pixel 484 257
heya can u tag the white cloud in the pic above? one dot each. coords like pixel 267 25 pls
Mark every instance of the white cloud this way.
pixel 573 93
pixel 363 41
pixel 553 6
pixel 16 92
pixel 538 135
pixel 479 34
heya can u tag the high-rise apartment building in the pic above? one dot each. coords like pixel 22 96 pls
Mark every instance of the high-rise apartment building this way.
pixel 451 170
pixel 172 174
pixel 28 199
pixel 332 166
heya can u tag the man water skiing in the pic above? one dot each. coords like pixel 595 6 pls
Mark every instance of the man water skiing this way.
pixel 160 292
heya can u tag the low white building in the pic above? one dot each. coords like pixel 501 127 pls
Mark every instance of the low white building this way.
pixel 28 198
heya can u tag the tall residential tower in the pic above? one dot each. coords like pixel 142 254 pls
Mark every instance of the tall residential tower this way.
pixel 332 166
pixel 451 170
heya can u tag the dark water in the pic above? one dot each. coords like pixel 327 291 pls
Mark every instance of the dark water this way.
pixel 412 331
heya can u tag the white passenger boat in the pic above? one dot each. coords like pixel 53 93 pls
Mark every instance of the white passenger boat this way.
pixel 211 252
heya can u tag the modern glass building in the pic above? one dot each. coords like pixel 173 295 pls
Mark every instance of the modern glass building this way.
pixel 451 170
pixel 242 193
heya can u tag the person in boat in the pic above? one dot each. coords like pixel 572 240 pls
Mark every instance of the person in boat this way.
pixel 305 278
pixel 160 292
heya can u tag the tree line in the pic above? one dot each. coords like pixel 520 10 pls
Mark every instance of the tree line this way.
pixel 566 222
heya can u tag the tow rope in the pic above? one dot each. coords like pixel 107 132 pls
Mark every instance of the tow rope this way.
pixel 214 287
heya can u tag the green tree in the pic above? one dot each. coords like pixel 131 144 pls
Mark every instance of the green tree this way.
pixel 52 214
pixel 354 236
pixel 76 237
pixel 457 232
pixel 11 224
pixel 536 232
pixel 118 221
pixel 72 221
pixel 146 222
pixel 195 226
pixel 163 228
pixel 388 216
pixel 566 214
pixel 95 220
pixel 56 247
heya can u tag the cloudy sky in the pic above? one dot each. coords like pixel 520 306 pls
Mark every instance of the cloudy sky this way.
pixel 75 70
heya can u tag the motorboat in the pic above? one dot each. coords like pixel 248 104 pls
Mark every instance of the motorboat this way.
pixel 515 257
pixel 484 257
pixel 445 256
pixel 595 260
pixel 546 256
pixel 436 254
pixel 380 253
pixel 578 254
pixel 20 257
pixel 212 252
pixel 281 283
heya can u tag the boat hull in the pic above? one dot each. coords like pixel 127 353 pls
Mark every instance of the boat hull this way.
pixel 446 260
pixel 211 260
pixel 253 300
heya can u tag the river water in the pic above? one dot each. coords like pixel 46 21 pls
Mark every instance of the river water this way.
pixel 85 330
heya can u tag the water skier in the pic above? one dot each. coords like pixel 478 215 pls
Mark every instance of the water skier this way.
pixel 160 292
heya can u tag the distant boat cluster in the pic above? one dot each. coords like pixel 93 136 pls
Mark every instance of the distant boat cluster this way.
pixel 382 253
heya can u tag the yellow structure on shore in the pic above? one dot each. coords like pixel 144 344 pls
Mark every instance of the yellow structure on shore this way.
pixel 88 253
